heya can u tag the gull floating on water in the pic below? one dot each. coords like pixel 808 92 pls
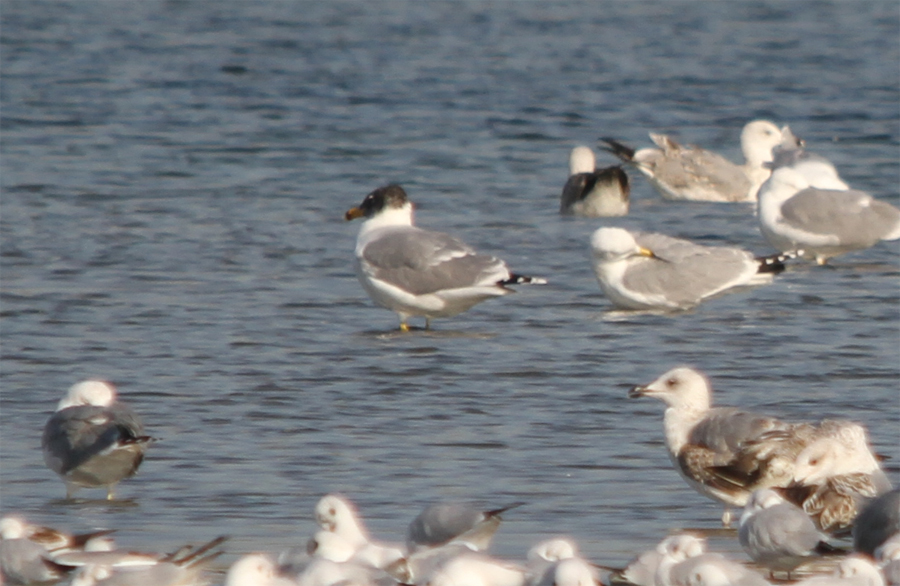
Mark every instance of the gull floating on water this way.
pixel 92 440
pixel 805 207
pixel 655 271
pixel 779 535
pixel 416 272
pixel 689 173
pixel 593 192
pixel 836 475
pixel 705 443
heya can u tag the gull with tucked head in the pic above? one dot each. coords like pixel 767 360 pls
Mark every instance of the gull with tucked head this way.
pixel 593 192
pixel 417 272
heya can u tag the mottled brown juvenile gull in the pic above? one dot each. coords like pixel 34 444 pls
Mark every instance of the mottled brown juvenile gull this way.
pixel 92 440
pixel 593 192
pixel 706 444
pixel 836 475
pixel 821 223
pixel 779 535
pixel 417 272
pixel 658 272
pixel 689 173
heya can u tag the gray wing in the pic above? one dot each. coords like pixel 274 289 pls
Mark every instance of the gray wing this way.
pixel 726 430
pixel 685 168
pixel 782 530
pixel 74 435
pixel 442 522
pixel 851 216
pixel 603 185
pixel 687 272
pixel 878 521
pixel 422 262
pixel 577 186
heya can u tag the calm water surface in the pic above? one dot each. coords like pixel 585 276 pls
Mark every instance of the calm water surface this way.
pixel 174 177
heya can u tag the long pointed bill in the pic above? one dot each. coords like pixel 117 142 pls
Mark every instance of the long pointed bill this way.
pixel 636 391
pixel 354 213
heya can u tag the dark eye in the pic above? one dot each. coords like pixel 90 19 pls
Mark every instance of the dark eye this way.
pixel 332 512
pixel 672 381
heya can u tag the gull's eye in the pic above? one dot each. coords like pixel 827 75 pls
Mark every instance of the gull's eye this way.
pixel 672 381
pixel 332 512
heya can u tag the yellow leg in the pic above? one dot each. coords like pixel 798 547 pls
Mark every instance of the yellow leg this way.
pixel 110 492
pixel 404 327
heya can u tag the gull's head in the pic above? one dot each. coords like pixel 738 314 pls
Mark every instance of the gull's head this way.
pixel 682 546
pixel 13 528
pixel 614 244
pixel 844 450
pixel 764 498
pixel 581 160
pixel 758 138
pixel 337 514
pixel 553 550
pixel 861 570
pixel 681 388
pixel 90 392
pixel 330 546
pixel 255 569
pixel 389 202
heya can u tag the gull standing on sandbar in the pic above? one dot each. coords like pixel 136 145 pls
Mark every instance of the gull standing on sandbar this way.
pixel 650 271
pixel 92 440
pixel 419 272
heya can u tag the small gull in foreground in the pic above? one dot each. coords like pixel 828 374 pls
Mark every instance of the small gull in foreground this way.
pixel 593 192
pixel 855 570
pixel 836 475
pixel 416 272
pixel 641 571
pixel 572 571
pixel 336 514
pixel 779 535
pixel 694 174
pixel 657 272
pixel 476 569
pixel 877 522
pixel 334 547
pixel 705 442
pixel 542 556
pixel 441 523
pixel 804 207
pixel 92 440
pixel 257 569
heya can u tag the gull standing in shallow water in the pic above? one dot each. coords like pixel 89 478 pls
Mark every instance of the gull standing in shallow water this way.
pixel 92 440
pixel 593 192
pixel 419 272
pixel 658 272
pixel 706 443
pixel 694 174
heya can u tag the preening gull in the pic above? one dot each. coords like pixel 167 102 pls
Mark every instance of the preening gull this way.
pixel 92 440
pixel 655 271
pixel 854 570
pixel 350 541
pixel 877 522
pixel 821 223
pixel 441 523
pixel 543 557
pixel 706 444
pixel 593 192
pixel 777 534
pixel 417 272
pixel 836 475
pixel 689 173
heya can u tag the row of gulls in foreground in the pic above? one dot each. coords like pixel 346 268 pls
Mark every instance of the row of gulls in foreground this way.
pixel 725 453
pixel 93 440
pixel 416 272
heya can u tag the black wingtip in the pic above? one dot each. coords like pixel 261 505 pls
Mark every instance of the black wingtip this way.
pixel 623 151
pixel 775 263
pixel 515 279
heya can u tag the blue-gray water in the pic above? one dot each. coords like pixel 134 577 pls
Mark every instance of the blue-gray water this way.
pixel 174 178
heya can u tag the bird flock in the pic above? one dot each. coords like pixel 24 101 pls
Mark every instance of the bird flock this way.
pixel 794 489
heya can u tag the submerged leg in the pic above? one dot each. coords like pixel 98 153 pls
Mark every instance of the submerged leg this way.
pixel 726 517
pixel 427 323
pixel 110 492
